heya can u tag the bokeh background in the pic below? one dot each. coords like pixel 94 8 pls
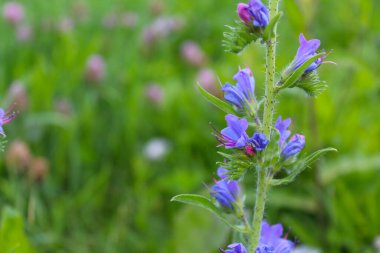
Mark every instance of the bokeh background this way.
pixel 111 125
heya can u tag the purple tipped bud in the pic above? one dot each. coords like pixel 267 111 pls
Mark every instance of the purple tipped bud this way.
pixel 243 12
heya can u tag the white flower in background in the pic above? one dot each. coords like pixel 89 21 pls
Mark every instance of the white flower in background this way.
pixel 305 249
pixel 376 243
pixel 156 149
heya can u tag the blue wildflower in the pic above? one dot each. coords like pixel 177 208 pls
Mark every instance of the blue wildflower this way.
pixel 225 191
pixel 306 50
pixel 243 92
pixel 234 135
pixel 259 141
pixel 294 145
pixel 271 241
pixel 5 118
pixel 235 248
pixel 259 13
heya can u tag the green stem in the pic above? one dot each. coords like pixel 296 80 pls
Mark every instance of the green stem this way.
pixel 261 194
pixel 269 107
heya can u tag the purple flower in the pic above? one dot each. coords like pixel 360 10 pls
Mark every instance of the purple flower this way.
pixel 255 12
pixel 234 135
pixel 235 248
pixel 294 145
pixel 95 68
pixel 243 92
pixel 5 118
pixel 225 191
pixel 259 141
pixel 259 13
pixel 271 241
pixel 306 50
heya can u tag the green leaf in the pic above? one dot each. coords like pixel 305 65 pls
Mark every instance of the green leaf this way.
pixel 201 201
pixel 12 236
pixel 216 101
pixel 299 72
pixel 239 37
pixel 269 30
pixel 300 166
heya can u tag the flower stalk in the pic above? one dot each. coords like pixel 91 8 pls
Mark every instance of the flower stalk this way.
pixel 269 107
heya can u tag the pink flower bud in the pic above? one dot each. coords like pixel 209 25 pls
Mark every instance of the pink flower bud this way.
pixel 13 13
pixel 243 12
pixel 192 53
pixel 95 69
pixel 207 79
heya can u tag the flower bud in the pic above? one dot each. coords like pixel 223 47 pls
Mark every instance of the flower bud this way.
pixel 225 191
pixel 243 12
pixel 13 13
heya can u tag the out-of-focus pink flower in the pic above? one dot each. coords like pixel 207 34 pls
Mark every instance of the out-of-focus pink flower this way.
pixel 207 79
pixel 38 168
pixel 110 20
pixel 156 7
pixel 154 93
pixel 192 53
pixel 66 24
pixel 79 10
pixel 13 13
pixel 129 19
pixel 18 155
pixel 64 107
pixel 18 96
pixel 23 33
pixel 95 68
pixel 161 28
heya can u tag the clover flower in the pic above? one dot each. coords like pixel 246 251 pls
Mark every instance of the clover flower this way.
pixel 296 142
pixel 235 248
pixel 243 92
pixel 306 50
pixel 255 12
pixel 225 191
pixel 271 241
pixel 5 118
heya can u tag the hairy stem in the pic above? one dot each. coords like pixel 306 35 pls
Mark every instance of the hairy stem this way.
pixel 269 107
pixel 261 193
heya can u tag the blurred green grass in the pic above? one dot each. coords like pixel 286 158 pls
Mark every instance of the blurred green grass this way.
pixel 102 194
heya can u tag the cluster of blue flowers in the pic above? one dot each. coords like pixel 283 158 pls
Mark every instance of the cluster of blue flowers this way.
pixel 234 136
